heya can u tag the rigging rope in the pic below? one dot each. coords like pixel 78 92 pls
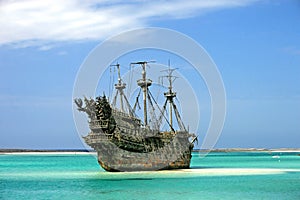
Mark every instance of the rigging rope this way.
pixel 130 110
pixel 178 118
pixel 162 112
pixel 152 112
pixel 115 99
pixel 137 102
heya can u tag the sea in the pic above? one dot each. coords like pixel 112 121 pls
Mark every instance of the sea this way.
pixel 218 175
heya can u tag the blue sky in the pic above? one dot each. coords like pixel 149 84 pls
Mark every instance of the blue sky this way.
pixel 255 44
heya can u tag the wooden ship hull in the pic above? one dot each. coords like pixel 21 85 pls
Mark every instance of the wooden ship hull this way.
pixel 175 155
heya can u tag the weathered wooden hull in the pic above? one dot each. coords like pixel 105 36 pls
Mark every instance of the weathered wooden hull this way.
pixel 174 155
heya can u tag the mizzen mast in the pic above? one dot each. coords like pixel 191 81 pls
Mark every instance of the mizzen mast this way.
pixel 170 95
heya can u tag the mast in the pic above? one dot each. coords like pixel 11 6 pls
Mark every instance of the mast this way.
pixel 144 83
pixel 120 86
pixel 170 94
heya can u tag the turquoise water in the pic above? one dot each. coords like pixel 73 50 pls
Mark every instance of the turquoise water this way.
pixel 273 176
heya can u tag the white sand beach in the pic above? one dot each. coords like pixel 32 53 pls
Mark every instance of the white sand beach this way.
pixel 206 172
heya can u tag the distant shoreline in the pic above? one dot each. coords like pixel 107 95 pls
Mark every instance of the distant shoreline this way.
pixel 91 151
pixel 43 150
pixel 46 152
pixel 249 150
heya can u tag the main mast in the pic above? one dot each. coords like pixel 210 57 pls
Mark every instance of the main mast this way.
pixel 144 83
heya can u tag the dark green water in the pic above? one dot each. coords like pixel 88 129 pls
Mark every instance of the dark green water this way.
pixel 273 176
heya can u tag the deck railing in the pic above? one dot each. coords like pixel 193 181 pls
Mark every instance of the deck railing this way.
pixel 99 124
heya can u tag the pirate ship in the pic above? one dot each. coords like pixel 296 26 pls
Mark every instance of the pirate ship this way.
pixel 126 142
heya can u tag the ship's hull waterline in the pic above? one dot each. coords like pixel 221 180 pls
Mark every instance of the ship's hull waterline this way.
pixel 175 155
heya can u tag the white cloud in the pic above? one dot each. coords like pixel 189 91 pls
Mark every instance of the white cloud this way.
pixel 46 47
pixel 35 22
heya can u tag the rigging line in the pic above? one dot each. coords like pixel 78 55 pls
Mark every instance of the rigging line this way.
pixel 177 100
pixel 113 80
pixel 131 111
pixel 129 81
pixel 137 101
pixel 110 87
pixel 114 74
pixel 180 123
pixel 152 111
pixel 132 72
pixel 162 112
pixel 115 99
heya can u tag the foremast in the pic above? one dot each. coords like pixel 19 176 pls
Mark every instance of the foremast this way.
pixel 120 86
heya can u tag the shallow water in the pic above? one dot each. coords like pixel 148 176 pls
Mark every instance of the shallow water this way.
pixel 249 175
